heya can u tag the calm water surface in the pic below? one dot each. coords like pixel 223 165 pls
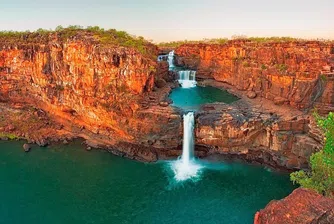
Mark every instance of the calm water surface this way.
pixel 193 98
pixel 66 184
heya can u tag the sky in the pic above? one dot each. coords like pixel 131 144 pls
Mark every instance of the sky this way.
pixel 170 20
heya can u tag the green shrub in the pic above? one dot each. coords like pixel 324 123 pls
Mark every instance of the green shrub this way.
pixel 323 77
pixel 281 67
pixel 246 64
pixel 8 135
pixel 321 176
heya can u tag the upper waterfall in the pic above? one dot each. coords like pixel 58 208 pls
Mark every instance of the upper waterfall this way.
pixel 171 59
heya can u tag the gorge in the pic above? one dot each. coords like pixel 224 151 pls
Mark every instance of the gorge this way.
pixel 240 100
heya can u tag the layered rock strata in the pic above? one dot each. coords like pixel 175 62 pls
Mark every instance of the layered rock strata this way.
pixel 299 73
pixel 84 85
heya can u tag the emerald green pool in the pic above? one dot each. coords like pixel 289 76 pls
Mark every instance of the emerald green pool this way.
pixel 193 98
pixel 67 184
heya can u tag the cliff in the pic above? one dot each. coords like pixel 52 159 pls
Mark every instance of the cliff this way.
pixel 102 88
pixel 296 73
pixel 277 136
pixel 302 206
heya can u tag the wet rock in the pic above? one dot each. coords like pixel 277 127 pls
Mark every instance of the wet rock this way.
pixel 251 94
pixel 26 147
pixel 88 148
pixel 300 207
pixel 65 142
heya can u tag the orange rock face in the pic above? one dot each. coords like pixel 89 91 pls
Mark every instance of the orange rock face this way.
pixel 91 86
pixel 300 74
pixel 301 207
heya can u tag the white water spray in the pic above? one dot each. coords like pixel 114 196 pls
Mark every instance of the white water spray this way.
pixel 186 167
pixel 171 59
pixel 187 79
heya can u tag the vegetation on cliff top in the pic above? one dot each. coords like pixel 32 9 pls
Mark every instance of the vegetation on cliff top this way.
pixel 321 176
pixel 175 44
pixel 94 34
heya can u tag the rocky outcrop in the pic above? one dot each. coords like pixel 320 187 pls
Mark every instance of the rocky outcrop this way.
pixel 300 74
pixel 100 92
pixel 301 207
pixel 257 135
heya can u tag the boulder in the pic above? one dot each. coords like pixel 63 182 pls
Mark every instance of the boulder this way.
pixel 26 147
pixel 251 94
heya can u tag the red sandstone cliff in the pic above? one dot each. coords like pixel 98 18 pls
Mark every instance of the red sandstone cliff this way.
pixel 285 76
pixel 101 88
pixel 300 74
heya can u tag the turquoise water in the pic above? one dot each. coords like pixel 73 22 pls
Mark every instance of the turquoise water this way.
pixel 66 184
pixel 193 98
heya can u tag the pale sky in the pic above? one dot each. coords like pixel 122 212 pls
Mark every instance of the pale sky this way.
pixel 167 20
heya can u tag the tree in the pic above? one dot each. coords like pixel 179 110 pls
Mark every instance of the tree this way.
pixel 321 176
pixel 59 28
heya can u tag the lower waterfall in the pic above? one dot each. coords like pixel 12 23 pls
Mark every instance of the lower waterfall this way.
pixel 186 167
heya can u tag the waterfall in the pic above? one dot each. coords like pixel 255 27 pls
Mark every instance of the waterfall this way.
pixel 187 79
pixel 171 59
pixel 186 167
pixel 188 138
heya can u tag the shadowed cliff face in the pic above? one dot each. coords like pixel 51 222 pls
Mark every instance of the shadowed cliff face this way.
pixel 300 74
pixel 98 88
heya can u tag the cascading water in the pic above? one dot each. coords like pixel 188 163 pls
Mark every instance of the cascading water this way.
pixel 187 79
pixel 171 59
pixel 188 138
pixel 186 167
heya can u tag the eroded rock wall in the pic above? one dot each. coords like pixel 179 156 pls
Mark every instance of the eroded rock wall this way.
pixel 258 136
pixel 300 74
pixel 98 88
